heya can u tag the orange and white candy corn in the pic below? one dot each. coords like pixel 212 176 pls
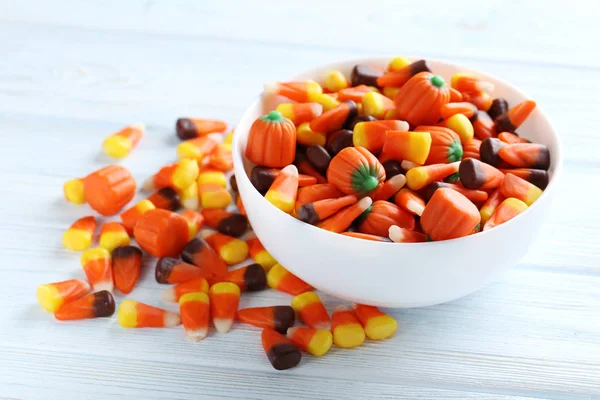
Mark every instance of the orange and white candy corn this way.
pixel 313 341
pixel 113 235
pixel 311 311
pixel 52 296
pixel 119 144
pixel 377 325
pixel 195 314
pixel 410 201
pixel 259 253
pixel 198 148
pixel 174 293
pixel 403 235
pixel 283 191
pixel 94 305
pixel 178 176
pixel 79 236
pixel 347 330
pixel 133 314
pixel 224 301
pixel 283 280
pixel 126 264
pixel 189 197
pixel 513 186
pixel 195 220
pixel 97 266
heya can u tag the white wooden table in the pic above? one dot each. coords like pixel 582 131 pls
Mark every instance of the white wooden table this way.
pixel 72 71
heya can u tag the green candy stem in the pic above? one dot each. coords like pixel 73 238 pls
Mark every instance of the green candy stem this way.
pixel 274 117
pixel 437 81
pixel 364 180
pixel 364 215
pixel 455 151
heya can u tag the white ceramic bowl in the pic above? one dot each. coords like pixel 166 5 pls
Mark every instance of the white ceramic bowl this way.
pixel 396 274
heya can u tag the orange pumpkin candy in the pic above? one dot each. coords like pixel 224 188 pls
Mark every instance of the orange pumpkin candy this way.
pixel 420 100
pixel 377 219
pixel 272 141
pixel 355 170
pixel 445 145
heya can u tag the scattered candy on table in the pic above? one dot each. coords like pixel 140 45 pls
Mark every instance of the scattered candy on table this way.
pixel 395 156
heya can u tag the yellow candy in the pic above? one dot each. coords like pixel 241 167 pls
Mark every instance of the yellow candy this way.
pixel 390 92
pixel 376 105
pixel 462 126
pixel 212 176
pixel 186 173
pixel 335 81
pixel 347 331
pixel 305 136
pixel 398 63
pixel 189 197
pixel 231 250
pixel 213 196
pixel 73 190
pixel 326 101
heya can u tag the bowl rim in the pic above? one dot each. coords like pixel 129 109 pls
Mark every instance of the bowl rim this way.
pixel 556 158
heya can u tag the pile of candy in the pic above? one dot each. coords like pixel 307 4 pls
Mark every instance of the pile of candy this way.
pixel 202 265
pixel 396 155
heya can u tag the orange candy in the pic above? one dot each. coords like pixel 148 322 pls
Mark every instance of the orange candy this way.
pixel 483 125
pixel 94 305
pixel 199 253
pixel 109 189
pixel 133 314
pixel 410 201
pixel 250 278
pixel 282 354
pixel 316 192
pixel 194 221
pixel 178 176
pixel 172 270
pixel 526 155
pixel 402 235
pixel 334 119
pixel 283 190
pixel 279 318
pixel 371 134
pixel 126 264
pixel 189 128
pixel 226 222
pixel 365 236
pixel 174 293
pixel 52 296
pixel 514 117
pixel 420 100
pixel 97 266
pixel 79 236
pixel 520 189
pixel 321 209
pixel 506 211
pixel 341 220
pixel 165 198
pixel 224 298
pixel 195 313
pixel 299 113
pixel 283 280
pixel 475 174
pixel 378 218
pixel 161 233
pixel 449 215
pixel 389 188
pixel 311 310
pixel 131 216
pixel 113 235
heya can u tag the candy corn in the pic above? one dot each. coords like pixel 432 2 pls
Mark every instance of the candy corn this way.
pixel 538 177
pixel 488 208
pixel 341 220
pixel 315 193
pixel 262 178
pixel 300 92
pixel 467 82
pixel 94 305
pixel 126 264
pixel 526 155
pixel 376 105
pixel 250 278
pixel 449 215
pixel 199 253
pixel 399 77
pixel 231 250
pixel 335 81
pixel 119 144
pixel 131 216
pixel 109 189
pixel 475 174
pixel 506 211
pixel 195 313
pixel 189 197
pixel 366 236
pixel 410 201
pixel 499 106
pixel 52 296
pixel 189 128
pixel 311 310
pixel 483 126
pixel 307 137
pixel 389 188
pixel 513 186
pixel 209 175
pixel 172 270
pixel 224 298
pixel 411 146
pixel 489 150
pixel 194 220
pixel 355 93
pixel 198 148
pixel 161 233
pixel 464 108
pixel 334 119
pixel 73 191
pixel 79 236
pixel 165 198
pixel 178 176
pixel 347 330
pixel 476 196
pixel 514 117
pixel 377 325
pixel 113 235
pixel 481 100
pixel 463 127
pixel 221 158
pixel 97 266
pixel 133 314
pixel 279 318
pixel 418 178
pixel 212 195
pixel 299 113
pixel 313 341
pixel 282 193
pixel 282 354
pixel 281 279
pixel 371 135
pixel 321 209
pixel 511 138
pixel 403 235
pixel 258 253
pixel 174 293
pixel 226 222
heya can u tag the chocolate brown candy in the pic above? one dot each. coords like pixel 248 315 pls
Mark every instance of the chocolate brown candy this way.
pixel 233 183
pixel 284 356
pixel 364 75
pixel 338 141
pixel 262 178
pixel 392 168
pixel 361 118
pixel 104 304
pixel 255 278
pixel 284 318
pixel 234 225
pixel 488 151
pixel 185 129
pixel 499 106
pixel 319 158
